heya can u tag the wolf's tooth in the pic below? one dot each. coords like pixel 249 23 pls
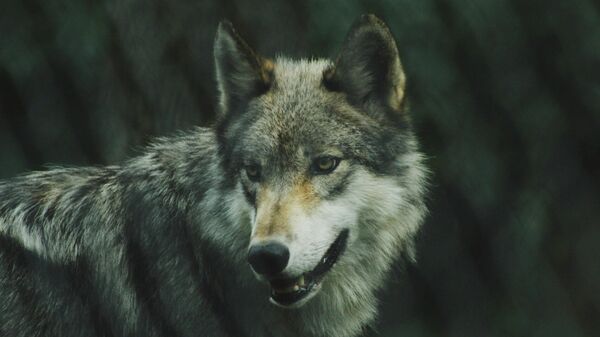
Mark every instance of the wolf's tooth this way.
pixel 301 281
pixel 289 289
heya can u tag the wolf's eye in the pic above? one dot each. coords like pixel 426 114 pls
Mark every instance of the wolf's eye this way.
pixel 253 172
pixel 325 165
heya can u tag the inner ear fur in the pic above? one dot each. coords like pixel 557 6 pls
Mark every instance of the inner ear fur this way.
pixel 368 68
pixel 241 73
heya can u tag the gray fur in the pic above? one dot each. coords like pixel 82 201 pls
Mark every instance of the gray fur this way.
pixel 157 246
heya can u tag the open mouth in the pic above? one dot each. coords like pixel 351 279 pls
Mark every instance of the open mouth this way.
pixel 287 292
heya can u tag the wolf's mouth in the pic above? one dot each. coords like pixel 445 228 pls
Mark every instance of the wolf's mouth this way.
pixel 290 292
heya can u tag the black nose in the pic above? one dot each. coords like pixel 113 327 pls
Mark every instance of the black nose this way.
pixel 268 258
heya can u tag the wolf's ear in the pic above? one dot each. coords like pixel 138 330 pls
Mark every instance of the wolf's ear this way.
pixel 241 73
pixel 368 68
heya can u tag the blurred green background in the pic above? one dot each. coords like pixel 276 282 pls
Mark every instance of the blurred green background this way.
pixel 505 96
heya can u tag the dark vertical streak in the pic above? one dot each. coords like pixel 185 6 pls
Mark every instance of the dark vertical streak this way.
pixel 428 303
pixel 209 287
pixel 209 260
pixel 23 264
pixel 178 53
pixel 79 278
pixel 146 288
pixel 13 108
pixel 137 118
pixel 144 282
pixel 77 112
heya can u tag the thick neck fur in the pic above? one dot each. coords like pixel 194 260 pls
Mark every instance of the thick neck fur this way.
pixel 348 300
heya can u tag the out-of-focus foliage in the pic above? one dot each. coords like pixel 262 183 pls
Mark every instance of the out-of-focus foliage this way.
pixel 505 95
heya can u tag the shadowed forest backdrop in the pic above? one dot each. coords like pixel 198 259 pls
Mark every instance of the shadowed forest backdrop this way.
pixel 505 95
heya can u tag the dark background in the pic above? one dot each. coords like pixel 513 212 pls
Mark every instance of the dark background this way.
pixel 505 96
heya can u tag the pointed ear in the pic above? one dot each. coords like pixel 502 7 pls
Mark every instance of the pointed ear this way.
pixel 368 68
pixel 241 73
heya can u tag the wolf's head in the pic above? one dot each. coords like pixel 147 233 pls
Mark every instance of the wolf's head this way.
pixel 324 154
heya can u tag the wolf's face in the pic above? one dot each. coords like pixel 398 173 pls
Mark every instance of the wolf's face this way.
pixel 317 147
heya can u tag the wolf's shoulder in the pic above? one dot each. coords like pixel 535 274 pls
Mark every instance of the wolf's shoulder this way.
pixel 168 158
pixel 40 209
pixel 40 186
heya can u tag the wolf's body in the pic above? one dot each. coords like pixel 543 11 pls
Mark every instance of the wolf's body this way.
pixel 158 246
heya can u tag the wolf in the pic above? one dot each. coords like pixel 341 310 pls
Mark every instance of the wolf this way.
pixel 282 220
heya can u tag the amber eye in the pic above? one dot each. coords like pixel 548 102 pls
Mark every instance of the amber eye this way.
pixel 325 165
pixel 253 172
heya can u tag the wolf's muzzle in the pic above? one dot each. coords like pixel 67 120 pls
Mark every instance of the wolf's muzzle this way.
pixel 268 258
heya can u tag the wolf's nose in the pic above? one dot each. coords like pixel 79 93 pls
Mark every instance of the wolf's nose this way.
pixel 268 258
